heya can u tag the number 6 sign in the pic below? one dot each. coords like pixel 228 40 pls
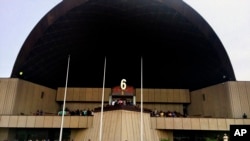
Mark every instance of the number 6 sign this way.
pixel 123 84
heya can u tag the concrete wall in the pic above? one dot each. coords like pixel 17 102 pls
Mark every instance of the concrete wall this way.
pixel 239 95
pixel 118 125
pixel 206 124
pixel 32 97
pixel 230 100
pixel 45 121
pixel 19 96
pixel 211 101
pixel 160 99
pixel 8 91
pixel 83 94
pixel 163 95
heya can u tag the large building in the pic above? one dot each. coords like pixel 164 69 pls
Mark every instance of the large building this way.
pixel 172 61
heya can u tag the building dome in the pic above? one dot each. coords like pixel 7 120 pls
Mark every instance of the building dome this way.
pixel 178 47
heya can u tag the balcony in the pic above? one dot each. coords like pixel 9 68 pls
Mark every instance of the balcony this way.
pixel 170 123
pixel 195 123
pixel 22 121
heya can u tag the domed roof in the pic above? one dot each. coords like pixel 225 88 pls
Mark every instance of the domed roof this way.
pixel 178 47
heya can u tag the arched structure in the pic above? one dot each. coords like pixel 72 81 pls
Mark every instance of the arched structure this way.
pixel 178 47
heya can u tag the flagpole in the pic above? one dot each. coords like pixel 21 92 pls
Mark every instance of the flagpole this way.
pixel 65 95
pixel 100 132
pixel 141 99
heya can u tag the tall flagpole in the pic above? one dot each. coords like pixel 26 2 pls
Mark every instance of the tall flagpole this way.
pixel 141 99
pixel 100 132
pixel 65 95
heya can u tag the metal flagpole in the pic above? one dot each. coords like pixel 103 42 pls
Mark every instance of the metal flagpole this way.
pixel 141 99
pixel 65 95
pixel 100 132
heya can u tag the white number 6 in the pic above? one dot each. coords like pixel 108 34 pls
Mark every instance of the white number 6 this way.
pixel 123 84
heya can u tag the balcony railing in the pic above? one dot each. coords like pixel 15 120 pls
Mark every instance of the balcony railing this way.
pixel 23 121
pixel 195 123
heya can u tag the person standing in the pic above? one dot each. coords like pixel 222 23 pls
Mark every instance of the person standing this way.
pixel 225 137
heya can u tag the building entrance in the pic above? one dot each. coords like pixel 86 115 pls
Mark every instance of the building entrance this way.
pixel 120 96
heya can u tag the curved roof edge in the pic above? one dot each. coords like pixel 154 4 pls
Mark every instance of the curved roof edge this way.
pixel 178 5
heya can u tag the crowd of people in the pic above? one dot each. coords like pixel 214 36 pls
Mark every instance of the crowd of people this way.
pixel 119 104
pixel 84 112
pixel 116 102
pixel 156 113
